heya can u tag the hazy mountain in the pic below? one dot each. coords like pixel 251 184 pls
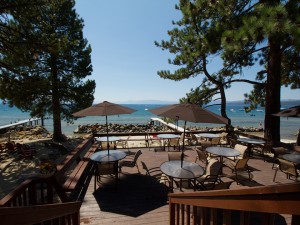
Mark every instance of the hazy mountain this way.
pixel 147 102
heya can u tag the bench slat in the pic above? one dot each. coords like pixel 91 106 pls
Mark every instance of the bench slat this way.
pixel 74 178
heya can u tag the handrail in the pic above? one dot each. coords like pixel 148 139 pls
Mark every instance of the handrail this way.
pixel 42 189
pixel 41 199
pixel 34 191
pixel 69 160
pixel 64 213
pixel 268 200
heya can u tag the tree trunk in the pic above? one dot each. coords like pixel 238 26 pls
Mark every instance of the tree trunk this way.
pixel 229 129
pixel 57 133
pixel 272 123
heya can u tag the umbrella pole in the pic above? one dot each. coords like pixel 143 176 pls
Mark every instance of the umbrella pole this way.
pixel 107 135
pixel 182 154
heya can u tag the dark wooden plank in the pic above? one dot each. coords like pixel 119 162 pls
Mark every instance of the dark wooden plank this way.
pixel 73 179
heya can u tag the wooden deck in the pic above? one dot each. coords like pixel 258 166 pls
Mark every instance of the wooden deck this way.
pixel 140 199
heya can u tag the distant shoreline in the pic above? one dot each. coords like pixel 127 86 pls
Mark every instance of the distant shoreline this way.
pixel 289 126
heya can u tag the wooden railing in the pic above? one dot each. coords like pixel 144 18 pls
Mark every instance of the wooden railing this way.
pixel 42 199
pixel 35 191
pixel 261 205
pixel 61 213
pixel 39 201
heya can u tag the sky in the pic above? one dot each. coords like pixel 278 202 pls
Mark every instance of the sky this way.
pixel 125 59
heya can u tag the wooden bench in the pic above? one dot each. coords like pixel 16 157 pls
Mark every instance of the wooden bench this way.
pixel 75 183
pixel 83 166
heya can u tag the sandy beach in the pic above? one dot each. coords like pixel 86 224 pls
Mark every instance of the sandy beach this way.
pixel 14 168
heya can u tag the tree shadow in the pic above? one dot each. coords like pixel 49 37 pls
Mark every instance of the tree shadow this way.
pixel 132 195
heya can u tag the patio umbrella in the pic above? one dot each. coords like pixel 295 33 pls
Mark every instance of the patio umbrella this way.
pixel 104 109
pixel 188 112
pixel 291 112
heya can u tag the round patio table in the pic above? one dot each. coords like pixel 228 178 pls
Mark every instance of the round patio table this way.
pixel 112 156
pixel 223 151
pixel 188 171
pixel 168 137
pixel 293 157
pixel 104 156
pixel 110 139
pixel 207 135
pixel 250 142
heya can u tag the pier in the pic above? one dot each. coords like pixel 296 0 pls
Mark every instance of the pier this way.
pixel 170 125
pixel 31 121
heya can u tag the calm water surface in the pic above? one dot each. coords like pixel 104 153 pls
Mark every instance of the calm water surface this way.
pixel 289 126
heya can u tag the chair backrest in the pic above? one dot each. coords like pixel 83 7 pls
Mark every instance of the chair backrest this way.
pixel 215 141
pixel 224 138
pixel 232 142
pixel 185 138
pixel 297 147
pixel 205 144
pixel 241 149
pixel 278 151
pixel 287 167
pixel 223 135
pixel 174 142
pixel 202 157
pixel 174 156
pixel 145 168
pixel 241 164
pixel 193 137
pixel 214 167
pixel 181 137
pixel 137 155
pixel 104 145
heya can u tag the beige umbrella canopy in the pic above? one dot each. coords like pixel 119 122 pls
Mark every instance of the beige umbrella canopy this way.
pixel 188 112
pixel 290 112
pixel 104 109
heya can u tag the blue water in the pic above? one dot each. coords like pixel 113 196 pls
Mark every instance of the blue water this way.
pixel 289 126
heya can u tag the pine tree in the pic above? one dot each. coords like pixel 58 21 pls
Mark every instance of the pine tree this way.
pixel 50 60
pixel 241 34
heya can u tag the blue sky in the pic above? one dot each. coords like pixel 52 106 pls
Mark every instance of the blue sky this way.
pixel 124 58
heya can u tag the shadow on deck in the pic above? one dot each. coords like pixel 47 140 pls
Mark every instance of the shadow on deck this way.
pixel 133 195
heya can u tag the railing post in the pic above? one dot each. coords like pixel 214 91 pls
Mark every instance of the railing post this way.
pixel 32 194
pixel 195 218
pixel 182 213
pixel 213 216
pixel 268 218
pixel 226 217
pixel 76 218
pixel 188 214
pixel 295 220
pixel 244 217
pixel 172 213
